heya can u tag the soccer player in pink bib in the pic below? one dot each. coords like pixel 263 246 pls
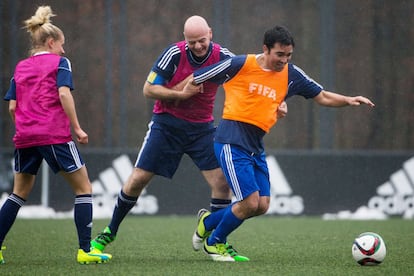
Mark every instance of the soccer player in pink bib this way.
pixel 43 110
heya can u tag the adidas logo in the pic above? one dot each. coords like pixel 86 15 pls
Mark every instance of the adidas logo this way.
pixel 107 187
pixel 282 201
pixel 396 196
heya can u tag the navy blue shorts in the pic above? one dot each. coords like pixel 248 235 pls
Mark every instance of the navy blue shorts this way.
pixel 60 157
pixel 166 142
pixel 245 172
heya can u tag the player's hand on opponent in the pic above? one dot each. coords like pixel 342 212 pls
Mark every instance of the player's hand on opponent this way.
pixel 180 86
pixel 82 136
pixel 190 89
pixel 282 110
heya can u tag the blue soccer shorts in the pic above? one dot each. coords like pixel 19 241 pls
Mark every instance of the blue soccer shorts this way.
pixel 245 172
pixel 165 144
pixel 59 157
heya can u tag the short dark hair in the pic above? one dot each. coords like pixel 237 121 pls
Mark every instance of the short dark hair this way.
pixel 278 34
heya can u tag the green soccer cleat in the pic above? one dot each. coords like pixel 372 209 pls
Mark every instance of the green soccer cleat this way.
pixel 223 252
pixel 1 255
pixel 92 257
pixel 232 252
pixel 200 234
pixel 102 240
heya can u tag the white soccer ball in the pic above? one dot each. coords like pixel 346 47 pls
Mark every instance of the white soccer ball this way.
pixel 369 249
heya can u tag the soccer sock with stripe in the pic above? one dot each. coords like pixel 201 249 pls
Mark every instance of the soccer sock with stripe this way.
pixel 228 224
pixel 122 207
pixel 83 220
pixel 218 204
pixel 8 214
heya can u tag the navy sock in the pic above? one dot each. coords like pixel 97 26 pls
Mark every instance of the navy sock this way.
pixel 218 204
pixel 83 220
pixel 122 207
pixel 8 214
pixel 228 224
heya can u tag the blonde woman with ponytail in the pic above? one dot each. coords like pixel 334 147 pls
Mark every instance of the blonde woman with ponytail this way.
pixel 43 111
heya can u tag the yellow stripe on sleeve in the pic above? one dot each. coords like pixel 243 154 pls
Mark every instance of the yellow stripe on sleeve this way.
pixel 151 77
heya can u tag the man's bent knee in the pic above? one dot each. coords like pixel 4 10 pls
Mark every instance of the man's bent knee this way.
pixel 137 181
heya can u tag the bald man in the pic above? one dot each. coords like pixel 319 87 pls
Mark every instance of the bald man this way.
pixel 181 124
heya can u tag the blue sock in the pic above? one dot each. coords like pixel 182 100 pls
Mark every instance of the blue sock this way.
pixel 83 220
pixel 218 204
pixel 122 207
pixel 8 214
pixel 228 224
pixel 214 219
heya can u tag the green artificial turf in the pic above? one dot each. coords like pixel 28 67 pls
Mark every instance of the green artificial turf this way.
pixel 162 246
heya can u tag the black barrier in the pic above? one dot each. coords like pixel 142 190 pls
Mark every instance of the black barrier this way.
pixel 303 183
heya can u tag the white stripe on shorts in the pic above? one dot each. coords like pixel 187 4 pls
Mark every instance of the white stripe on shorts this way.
pixel 75 154
pixel 232 172
pixel 145 142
